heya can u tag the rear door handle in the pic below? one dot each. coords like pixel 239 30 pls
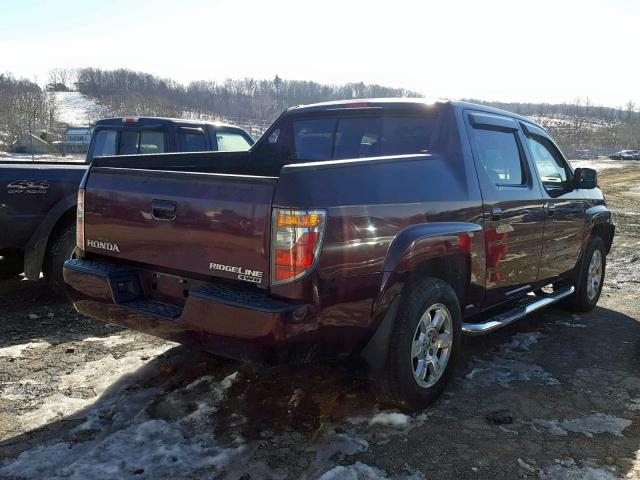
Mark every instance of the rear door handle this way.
pixel 163 210
pixel 496 214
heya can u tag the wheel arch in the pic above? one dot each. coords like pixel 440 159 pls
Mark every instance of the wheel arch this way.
pixel 448 251
pixel 36 248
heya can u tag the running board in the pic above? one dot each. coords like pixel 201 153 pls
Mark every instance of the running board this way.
pixel 506 318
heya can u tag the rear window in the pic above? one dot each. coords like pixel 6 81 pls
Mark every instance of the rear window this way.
pixel 231 142
pixel 355 137
pixel 146 141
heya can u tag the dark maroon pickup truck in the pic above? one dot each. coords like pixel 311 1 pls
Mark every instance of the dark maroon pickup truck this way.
pixel 385 228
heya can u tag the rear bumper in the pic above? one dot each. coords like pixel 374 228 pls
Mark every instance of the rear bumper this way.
pixel 227 321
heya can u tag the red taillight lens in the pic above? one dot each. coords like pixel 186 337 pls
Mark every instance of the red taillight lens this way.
pixel 295 243
pixel 80 220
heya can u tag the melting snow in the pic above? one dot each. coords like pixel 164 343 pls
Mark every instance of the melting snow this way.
pixel 17 350
pixel 509 366
pixel 111 341
pixel 144 447
pixel 595 423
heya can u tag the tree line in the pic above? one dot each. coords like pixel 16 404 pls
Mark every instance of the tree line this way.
pixel 24 107
pixel 578 125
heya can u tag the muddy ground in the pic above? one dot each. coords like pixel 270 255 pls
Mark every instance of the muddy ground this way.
pixel 556 395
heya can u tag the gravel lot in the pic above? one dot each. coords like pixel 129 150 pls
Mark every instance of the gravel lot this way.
pixel 556 395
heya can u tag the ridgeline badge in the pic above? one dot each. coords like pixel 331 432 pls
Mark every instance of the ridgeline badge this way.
pixel 253 276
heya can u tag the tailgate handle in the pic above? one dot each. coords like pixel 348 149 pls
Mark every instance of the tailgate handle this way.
pixel 163 210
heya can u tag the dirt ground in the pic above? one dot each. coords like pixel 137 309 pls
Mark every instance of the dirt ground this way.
pixel 555 396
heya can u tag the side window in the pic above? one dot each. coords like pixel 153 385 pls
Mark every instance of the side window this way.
pixel 231 142
pixel 551 167
pixel 500 155
pixel 105 143
pixel 151 142
pixel 192 141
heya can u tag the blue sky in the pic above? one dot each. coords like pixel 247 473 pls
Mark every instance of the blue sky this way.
pixel 546 50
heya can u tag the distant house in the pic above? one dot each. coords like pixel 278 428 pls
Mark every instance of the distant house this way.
pixel 76 140
pixel 28 143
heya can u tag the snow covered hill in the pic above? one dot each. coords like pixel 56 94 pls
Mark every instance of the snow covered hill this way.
pixel 76 109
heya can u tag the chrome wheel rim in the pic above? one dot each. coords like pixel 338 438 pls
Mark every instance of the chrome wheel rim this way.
pixel 431 345
pixel 594 275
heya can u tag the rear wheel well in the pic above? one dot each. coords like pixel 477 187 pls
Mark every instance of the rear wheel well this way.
pixel 452 269
pixel 63 222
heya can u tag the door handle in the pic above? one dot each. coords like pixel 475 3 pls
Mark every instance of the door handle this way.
pixel 551 209
pixel 496 214
pixel 163 210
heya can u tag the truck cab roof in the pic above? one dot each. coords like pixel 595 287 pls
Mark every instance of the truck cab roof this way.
pixel 162 121
pixel 402 104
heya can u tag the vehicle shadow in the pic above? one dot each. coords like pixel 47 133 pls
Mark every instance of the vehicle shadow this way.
pixel 235 400
pixel 30 311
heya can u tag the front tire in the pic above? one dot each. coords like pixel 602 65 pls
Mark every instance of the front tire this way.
pixel 61 248
pixel 424 344
pixel 591 278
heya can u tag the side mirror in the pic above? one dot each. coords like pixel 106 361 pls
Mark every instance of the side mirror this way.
pixel 585 178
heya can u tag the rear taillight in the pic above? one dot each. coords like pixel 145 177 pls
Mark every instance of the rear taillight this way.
pixel 80 220
pixel 295 243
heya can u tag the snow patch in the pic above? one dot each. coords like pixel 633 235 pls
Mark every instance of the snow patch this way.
pixel 97 375
pixel 77 110
pixel 568 470
pixel 357 471
pixel 509 366
pixel 589 425
pixel 111 341
pixel 131 444
pixel 17 350
pixel 570 325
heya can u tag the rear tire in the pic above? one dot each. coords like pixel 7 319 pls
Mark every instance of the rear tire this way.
pixel 11 264
pixel 424 344
pixel 591 278
pixel 60 249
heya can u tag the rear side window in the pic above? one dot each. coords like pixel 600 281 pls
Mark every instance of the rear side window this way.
pixel 104 143
pixel 145 141
pixel 192 141
pixel 500 155
pixel 357 137
pixel 231 142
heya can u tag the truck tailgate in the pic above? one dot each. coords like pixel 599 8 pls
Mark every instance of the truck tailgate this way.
pixel 184 222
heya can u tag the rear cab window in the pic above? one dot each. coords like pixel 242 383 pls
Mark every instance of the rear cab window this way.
pixel 335 138
pixel 127 142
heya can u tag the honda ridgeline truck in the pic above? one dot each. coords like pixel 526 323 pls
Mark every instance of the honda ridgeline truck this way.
pixel 385 228
pixel 38 199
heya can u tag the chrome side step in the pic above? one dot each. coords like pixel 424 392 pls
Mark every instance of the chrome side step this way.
pixel 506 318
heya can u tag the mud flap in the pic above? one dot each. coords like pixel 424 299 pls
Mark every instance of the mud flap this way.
pixel 375 352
